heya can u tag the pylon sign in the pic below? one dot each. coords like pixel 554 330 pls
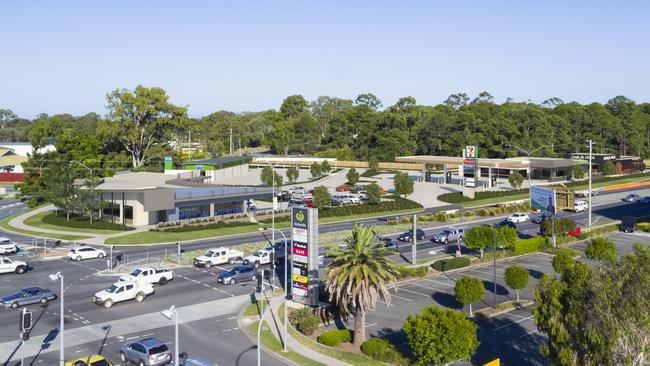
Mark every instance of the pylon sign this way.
pixel 304 255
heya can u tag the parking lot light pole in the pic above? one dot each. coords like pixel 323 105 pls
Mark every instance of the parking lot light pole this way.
pixel 273 200
pixel 591 144
pixel 494 264
pixel 286 290
pixel 169 314
pixel 54 277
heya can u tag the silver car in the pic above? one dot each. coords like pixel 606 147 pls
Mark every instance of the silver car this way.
pixel 146 352
pixel 26 296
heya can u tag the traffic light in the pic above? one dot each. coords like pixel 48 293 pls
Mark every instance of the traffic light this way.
pixel 24 336
pixel 259 277
pixel 25 321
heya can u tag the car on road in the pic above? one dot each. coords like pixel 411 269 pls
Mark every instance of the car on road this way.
pixel 450 234
pixel 240 273
pixel 258 258
pixel 390 218
pixel 506 222
pixel 148 351
pixel 645 200
pixel 217 256
pixel 27 296
pixel 541 217
pixel 122 291
pixel 518 217
pixel 149 275
pixel 585 193
pixel 390 243
pixel 579 206
pixel 632 197
pixel 94 360
pixel 84 252
pixel 12 266
pixel 7 246
pixel 406 236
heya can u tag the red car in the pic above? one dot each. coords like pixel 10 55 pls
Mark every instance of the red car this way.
pixel 343 188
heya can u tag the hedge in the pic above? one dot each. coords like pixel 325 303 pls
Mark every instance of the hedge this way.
pixel 410 272
pixel 531 245
pixel 333 338
pixel 396 204
pixel 215 225
pixel 381 350
pixel 453 263
pixel 82 222
pixel 304 320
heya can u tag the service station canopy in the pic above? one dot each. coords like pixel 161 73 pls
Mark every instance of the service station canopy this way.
pixel 515 163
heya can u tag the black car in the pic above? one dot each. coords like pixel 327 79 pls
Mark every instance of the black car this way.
pixel 541 217
pixel 241 273
pixel 506 223
pixel 389 218
pixel 406 236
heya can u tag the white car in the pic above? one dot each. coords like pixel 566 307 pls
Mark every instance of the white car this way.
pixel 258 258
pixel 632 197
pixel 122 291
pixel 297 190
pixel 79 253
pixel 7 246
pixel 518 217
pixel 217 256
pixel 10 266
pixel 579 206
pixel 149 275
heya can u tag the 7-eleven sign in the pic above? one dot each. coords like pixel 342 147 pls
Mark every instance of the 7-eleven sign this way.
pixel 471 152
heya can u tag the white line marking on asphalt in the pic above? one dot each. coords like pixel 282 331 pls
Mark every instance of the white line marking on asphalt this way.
pixel 415 292
pixel 134 337
pixel 430 288
pixel 439 282
pixel 513 323
pixel 529 333
pixel 148 335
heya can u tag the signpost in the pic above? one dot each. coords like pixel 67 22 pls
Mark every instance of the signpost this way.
pixel 544 199
pixel 470 166
pixel 304 255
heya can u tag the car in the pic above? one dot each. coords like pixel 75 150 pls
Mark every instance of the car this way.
pixel 632 197
pixel 505 222
pixel 390 243
pixel 258 258
pixel 7 246
pixel 579 206
pixel 94 360
pixel 406 236
pixel 449 235
pixel 344 188
pixel 390 218
pixel 150 275
pixel 541 217
pixel 645 200
pixel 84 252
pixel 300 203
pixel 518 217
pixel 27 296
pixel 148 351
pixel 296 190
pixel 122 291
pixel 240 273
pixel 12 266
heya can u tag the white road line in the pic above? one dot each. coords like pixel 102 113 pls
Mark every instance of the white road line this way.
pixel 438 282
pixel 430 288
pixel 370 325
pixel 513 323
pixel 529 333
pixel 415 292
pixel 134 337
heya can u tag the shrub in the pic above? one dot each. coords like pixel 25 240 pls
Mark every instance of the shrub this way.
pixel 392 222
pixel 441 217
pixel 381 350
pixel 335 337
pixel 457 197
pixel 601 249
pixel 304 320
pixel 214 225
pixel 563 260
pixel 82 222
pixel 562 225
pixel 530 245
pixel 410 272
pixel 449 264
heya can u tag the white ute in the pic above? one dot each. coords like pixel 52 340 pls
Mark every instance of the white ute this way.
pixel 258 258
pixel 217 256
pixel 149 275
pixel 7 246
pixel 122 291
pixel 10 266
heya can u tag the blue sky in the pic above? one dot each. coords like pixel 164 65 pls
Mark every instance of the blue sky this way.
pixel 64 56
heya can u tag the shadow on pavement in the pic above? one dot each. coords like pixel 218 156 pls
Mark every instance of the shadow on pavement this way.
pixel 513 344
pixel 446 300
pixel 489 287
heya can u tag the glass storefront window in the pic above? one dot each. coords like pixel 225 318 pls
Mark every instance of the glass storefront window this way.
pixel 192 212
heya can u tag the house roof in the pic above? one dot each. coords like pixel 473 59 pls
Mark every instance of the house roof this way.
pixel 9 158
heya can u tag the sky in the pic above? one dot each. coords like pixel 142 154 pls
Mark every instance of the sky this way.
pixel 65 56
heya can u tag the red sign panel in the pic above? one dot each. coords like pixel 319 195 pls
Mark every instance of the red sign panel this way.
pixel 300 251
pixel 469 161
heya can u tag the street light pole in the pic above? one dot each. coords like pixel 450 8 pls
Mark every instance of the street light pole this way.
pixel 54 277
pixel 273 225
pixel 286 291
pixel 169 314
pixel 591 144
pixel 494 263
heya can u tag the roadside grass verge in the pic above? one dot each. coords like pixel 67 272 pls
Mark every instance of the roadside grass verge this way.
pixel 273 344
pixel 4 223
pixel 494 200
pixel 50 221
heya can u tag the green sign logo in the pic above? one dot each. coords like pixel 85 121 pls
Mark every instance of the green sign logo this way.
pixel 300 216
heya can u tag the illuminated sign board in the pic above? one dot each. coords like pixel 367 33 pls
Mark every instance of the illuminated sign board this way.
pixel 304 255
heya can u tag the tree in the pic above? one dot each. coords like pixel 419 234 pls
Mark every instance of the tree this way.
pixel 293 105
pixel 322 197
pixel 578 172
pixel 368 99
pixel 515 179
pixel 563 260
pixel 602 250
pixel 352 176
pixel 479 237
pixel 506 236
pixel 358 275
pixel 517 278
pixel 281 136
pixel 374 193
pixel 315 169
pixel 140 119
pixel 440 336
pixel 609 168
pixel 469 290
pixel 292 174
pixel 88 197
pixel 563 225
pixel 373 162
pixel 59 187
pixel 403 184
pixel 457 100
pixel 268 177
pixel 325 167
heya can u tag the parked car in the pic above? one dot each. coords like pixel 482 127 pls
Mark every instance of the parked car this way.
pixel 26 296
pixel 296 190
pixel 541 217
pixel 148 351
pixel 406 236
pixel 632 197
pixel 149 275
pixel 217 256
pixel 300 203
pixel 122 291
pixel 344 188
pixel 449 235
pixel 579 206
pixel 84 252
pixel 283 196
pixel 94 360
pixel 518 217
pixel 240 273
pixel 645 200
pixel 7 246
pixel 340 199
pixel 258 258
pixel 363 195
pixel 12 266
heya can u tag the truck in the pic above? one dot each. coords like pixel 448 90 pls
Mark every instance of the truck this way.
pixel 122 291
pixel 11 266
pixel 258 258
pixel 449 234
pixel 149 275
pixel 217 256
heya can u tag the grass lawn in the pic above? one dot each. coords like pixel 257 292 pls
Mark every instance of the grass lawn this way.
pixel 273 344
pixel 4 223
pixel 76 224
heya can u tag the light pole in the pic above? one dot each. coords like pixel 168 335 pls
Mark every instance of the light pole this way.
pixel 529 153
pixel 273 200
pixel 494 263
pixel 54 277
pixel 169 314
pixel 286 290
pixel 591 144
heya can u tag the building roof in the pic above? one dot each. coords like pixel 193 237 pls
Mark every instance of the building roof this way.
pixel 520 163
pixel 9 158
pixel 220 161
pixel 554 162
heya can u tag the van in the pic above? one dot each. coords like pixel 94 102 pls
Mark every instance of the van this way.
pixel 579 206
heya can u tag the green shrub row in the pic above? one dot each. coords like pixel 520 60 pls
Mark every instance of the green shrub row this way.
pixel 82 222
pixel 453 263
pixel 644 226
pixel 410 272
pixel 531 245
pixel 215 225
pixel 396 204
pixel 381 350
pixel 304 320
pixel 457 197
pixel 333 338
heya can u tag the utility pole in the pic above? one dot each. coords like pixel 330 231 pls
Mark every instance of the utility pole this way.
pixel 189 145
pixel 414 239
pixel 231 141
pixel 494 263
pixel 591 144
pixel 239 139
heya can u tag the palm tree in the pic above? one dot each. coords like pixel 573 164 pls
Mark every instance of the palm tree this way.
pixel 358 275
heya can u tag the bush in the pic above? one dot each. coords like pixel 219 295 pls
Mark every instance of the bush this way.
pixel 530 245
pixel 562 225
pixel 381 350
pixel 396 204
pixel 392 222
pixel 304 320
pixel 82 222
pixel 335 337
pixel 215 225
pixel 601 249
pixel 449 264
pixel 410 272
pixel 563 260
pixel 457 197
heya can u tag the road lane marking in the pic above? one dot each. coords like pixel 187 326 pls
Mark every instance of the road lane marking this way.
pixel 513 323
pixel 415 292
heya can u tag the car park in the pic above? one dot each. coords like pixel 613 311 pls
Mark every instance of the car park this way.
pixel 84 252
pixel 258 258
pixel 122 291
pixel 27 296
pixel 406 236
pixel 7 246
pixel 518 217
pixel 632 197
pixel 217 256
pixel 451 234
pixel 94 360
pixel 240 273
pixel 579 206
pixel 148 351
pixel 541 217
pixel 149 275
pixel 12 266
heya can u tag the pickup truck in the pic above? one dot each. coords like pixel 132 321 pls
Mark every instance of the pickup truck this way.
pixel 149 275
pixel 11 266
pixel 122 291
pixel 258 258
pixel 449 234
pixel 217 256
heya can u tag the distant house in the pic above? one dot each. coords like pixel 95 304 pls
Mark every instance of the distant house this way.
pixel 22 149
pixel 211 170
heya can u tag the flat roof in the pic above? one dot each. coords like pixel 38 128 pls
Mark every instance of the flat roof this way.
pixel 219 161
pixel 486 163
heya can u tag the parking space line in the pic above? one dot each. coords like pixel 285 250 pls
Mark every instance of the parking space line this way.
pixel 438 282
pixel 471 273
pixel 427 287
pixel 397 296
pixel 529 333
pixel 415 292
pixel 513 323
